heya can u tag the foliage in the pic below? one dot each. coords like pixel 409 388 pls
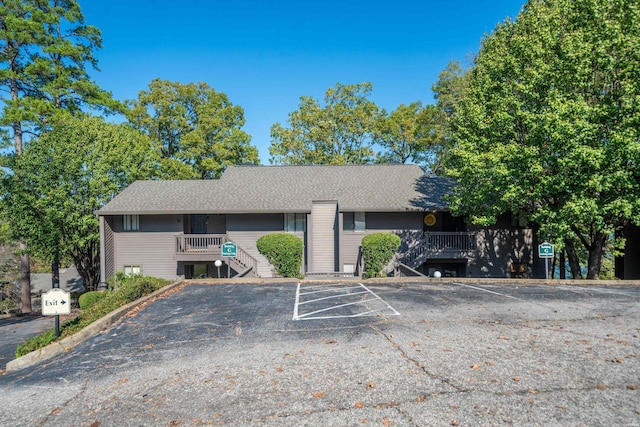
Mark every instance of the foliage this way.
pixel 338 132
pixel 377 251
pixel 550 121
pixel 448 91
pixel 63 177
pixel 129 290
pixel 45 48
pixel 88 299
pixel 409 133
pixel 284 252
pixel 196 130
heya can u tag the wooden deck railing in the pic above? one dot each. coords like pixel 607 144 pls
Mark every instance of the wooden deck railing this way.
pixel 211 244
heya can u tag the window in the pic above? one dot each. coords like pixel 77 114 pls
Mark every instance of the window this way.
pixel 130 270
pixel 353 221
pixel 131 222
pixel 295 222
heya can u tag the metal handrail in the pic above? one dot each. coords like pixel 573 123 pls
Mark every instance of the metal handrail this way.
pixel 212 244
pixel 441 242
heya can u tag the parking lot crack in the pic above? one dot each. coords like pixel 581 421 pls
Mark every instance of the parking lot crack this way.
pixel 58 409
pixel 416 362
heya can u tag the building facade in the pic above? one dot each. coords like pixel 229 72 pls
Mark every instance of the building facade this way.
pixel 176 229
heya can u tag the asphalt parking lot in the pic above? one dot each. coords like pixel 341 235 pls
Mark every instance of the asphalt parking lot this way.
pixel 415 354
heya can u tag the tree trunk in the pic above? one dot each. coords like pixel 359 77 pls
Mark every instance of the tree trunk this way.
pixel 596 253
pixel 25 261
pixel 574 261
pixel 563 271
pixel 25 280
pixel 55 271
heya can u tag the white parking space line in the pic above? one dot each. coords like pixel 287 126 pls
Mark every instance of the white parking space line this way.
pixel 487 290
pixel 581 290
pixel 338 301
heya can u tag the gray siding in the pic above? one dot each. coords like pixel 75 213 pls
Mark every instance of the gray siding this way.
pixel 152 248
pixel 323 237
pixel 245 230
pixel 152 251
pixel 498 248
pixel 408 225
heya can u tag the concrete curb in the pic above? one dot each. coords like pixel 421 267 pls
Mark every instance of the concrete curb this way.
pixel 417 280
pixel 69 342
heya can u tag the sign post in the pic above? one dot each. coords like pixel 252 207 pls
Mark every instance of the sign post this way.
pixel 229 250
pixel 545 250
pixel 54 303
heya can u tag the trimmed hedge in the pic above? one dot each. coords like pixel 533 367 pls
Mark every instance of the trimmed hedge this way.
pixel 87 299
pixel 377 251
pixel 284 252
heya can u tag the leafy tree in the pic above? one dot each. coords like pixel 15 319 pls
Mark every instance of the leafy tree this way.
pixel 550 122
pixel 338 132
pixel 410 133
pixel 196 130
pixel 449 88
pixel 63 177
pixel 447 91
pixel 45 47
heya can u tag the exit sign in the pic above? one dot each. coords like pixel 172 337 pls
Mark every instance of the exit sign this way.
pixel 55 302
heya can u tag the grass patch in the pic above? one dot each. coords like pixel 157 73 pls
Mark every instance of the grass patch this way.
pixel 122 291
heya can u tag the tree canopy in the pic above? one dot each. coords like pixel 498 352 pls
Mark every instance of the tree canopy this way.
pixel 63 177
pixel 196 130
pixel 410 133
pixel 45 48
pixel 549 124
pixel 338 132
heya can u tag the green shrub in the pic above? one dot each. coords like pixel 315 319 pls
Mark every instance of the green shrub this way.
pixel 377 251
pixel 87 299
pixel 284 252
pixel 130 288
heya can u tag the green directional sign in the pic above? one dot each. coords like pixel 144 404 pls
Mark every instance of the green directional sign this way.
pixel 545 250
pixel 229 249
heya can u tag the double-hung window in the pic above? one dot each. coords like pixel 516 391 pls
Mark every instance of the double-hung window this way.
pixel 131 222
pixel 353 221
pixel 132 270
pixel 294 222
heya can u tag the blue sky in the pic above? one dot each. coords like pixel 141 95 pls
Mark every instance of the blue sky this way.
pixel 265 55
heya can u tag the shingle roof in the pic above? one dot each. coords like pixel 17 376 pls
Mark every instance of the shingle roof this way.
pixel 244 189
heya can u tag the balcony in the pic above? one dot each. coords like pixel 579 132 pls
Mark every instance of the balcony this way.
pixel 199 247
pixel 208 247
pixel 440 245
